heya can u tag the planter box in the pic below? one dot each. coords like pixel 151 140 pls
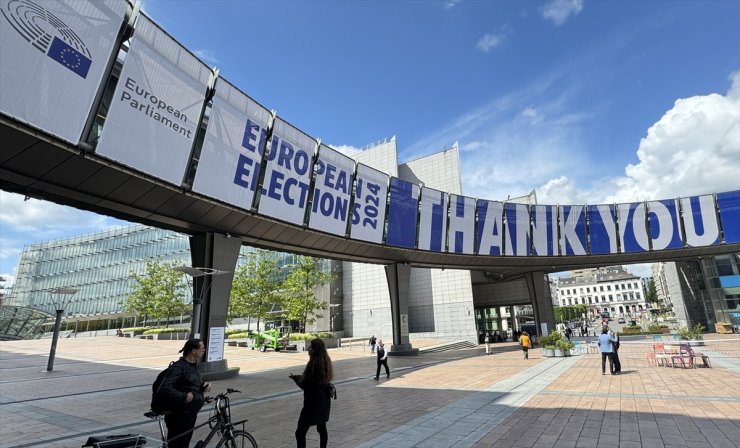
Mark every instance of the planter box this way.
pixel 559 353
pixel 548 352
pixel 723 328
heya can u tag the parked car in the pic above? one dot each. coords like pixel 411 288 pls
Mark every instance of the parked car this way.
pixel 620 320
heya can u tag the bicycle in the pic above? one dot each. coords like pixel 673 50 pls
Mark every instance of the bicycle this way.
pixel 219 422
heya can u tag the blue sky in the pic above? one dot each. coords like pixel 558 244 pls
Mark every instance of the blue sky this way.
pixel 584 101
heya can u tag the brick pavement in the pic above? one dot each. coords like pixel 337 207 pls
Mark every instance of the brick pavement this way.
pixel 460 398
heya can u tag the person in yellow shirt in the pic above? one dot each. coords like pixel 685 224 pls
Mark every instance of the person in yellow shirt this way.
pixel 526 343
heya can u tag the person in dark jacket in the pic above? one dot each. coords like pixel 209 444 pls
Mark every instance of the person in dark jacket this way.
pixel 615 355
pixel 183 390
pixel 316 401
pixel 382 360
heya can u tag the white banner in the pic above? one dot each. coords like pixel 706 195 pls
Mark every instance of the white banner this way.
pixel 368 214
pixel 229 164
pixel 332 191
pixel 153 117
pixel 52 58
pixel 288 169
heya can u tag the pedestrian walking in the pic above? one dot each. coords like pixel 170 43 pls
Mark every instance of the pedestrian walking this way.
pixel 373 341
pixel 526 343
pixel 382 360
pixel 488 343
pixel 568 333
pixel 316 394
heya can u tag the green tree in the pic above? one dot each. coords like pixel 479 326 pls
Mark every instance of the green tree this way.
pixel 257 287
pixel 158 293
pixel 652 294
pixel 300 287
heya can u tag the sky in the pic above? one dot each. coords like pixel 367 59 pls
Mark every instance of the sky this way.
pixel 583 101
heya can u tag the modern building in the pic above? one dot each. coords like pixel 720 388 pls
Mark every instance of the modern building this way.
pixel 705 291
pixel 610 289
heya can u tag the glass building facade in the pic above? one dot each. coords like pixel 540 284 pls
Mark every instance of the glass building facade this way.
pixel 722 282
pixel 99 266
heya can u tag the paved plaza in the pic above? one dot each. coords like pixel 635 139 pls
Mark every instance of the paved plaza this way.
pixel 458 398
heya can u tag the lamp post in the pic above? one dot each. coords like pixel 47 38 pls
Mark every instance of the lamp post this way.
pixel 63 296
pixel 197 273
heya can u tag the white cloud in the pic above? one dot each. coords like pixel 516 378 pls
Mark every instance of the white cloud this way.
pixel 558 11
pixel 347 150
pixel 45 218
pixel 693 149
pixel 489 42
pixel 206 56
pixel 640 269
pixel 532 115
pixel 449 4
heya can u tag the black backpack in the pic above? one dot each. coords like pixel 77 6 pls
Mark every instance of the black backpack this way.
pixel 158 404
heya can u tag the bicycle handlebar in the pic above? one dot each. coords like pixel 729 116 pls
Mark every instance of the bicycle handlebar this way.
pixel 222 394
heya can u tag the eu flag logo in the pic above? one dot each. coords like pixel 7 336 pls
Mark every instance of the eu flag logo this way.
pixel 69 57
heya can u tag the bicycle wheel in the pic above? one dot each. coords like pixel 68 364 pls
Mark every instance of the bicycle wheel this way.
pixel 241 439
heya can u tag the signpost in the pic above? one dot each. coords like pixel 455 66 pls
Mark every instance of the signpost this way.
pixel 63 296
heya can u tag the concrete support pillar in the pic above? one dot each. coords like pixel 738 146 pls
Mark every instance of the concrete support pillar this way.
pixel 399 276
pixel 541 306
pixel 221 252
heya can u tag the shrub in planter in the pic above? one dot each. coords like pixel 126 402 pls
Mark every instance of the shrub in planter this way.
pixel 631 330
pixel 657 328
pixel 693 335
pixel 243 335
pixel 564 345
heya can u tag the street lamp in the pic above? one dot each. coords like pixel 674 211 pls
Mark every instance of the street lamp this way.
pixel 197 273
pixel 62 299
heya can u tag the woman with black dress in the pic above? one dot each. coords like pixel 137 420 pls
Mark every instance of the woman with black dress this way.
pixel 316 401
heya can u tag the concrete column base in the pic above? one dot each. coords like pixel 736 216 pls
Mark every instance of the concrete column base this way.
pixel 403 350
pixel 217 370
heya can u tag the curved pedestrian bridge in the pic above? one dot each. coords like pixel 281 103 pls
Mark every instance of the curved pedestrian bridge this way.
pixel 130 123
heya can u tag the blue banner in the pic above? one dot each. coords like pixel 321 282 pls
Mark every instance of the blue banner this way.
pixel 544 230
pixel 665 232
pixel 490 227
pixel 572 230
pixel 432 219
pixel 402 213
pixel 700 221
pixel 602 229
pixel 729 213
pixel 632 227
pixel 516 227
pixel 461 233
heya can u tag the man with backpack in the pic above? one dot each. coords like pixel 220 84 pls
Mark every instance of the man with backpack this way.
pixel 181 393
